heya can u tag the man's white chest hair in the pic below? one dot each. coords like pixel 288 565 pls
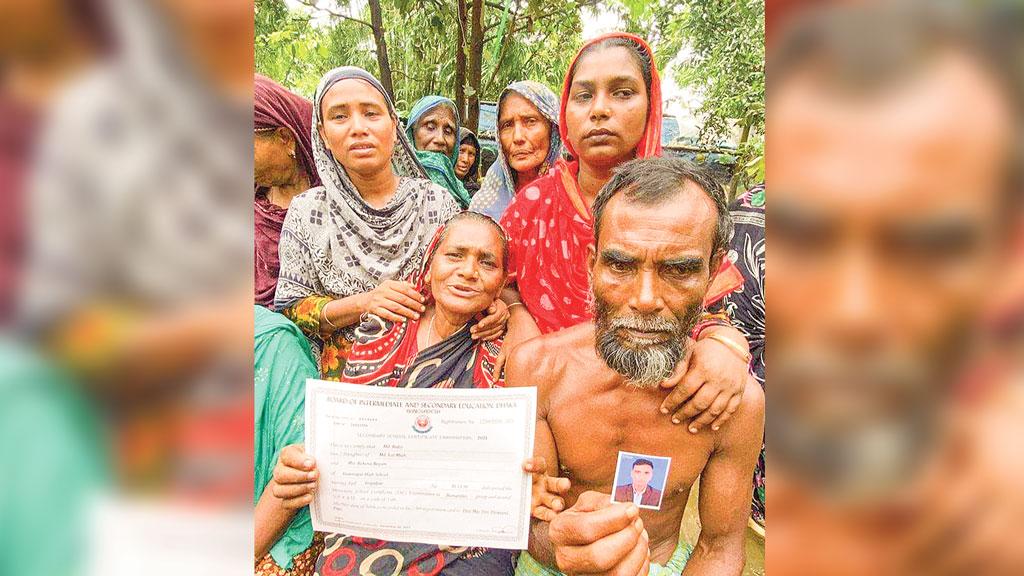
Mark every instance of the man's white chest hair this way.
pixel 591 428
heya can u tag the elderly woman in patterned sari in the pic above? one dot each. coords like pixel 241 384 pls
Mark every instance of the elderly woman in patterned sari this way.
pixel 463 274
pixel 529 145
pixel 465 270
pixel 347 245
pixel 433 127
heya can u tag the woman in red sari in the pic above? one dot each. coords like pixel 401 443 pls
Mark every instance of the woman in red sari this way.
pixel 464 270
pixel 610 113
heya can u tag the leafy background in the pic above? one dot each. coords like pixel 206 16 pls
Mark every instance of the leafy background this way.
pixel 715 49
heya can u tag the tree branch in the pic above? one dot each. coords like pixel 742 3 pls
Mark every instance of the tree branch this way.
pixel 401 72
pixel 556 12
pixel 536 50
pixel 313 4
pixel 502 50
pixel 513 13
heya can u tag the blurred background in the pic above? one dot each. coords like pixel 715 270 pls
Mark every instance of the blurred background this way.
pixel 896 294
pixel 126 286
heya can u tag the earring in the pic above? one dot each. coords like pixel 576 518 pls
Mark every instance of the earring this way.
pixel 291 153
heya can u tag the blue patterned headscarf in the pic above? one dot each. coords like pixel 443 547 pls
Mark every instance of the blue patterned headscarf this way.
pixel 440 168
pixel 499 185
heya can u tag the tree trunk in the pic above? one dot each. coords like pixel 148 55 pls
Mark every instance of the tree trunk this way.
pixel 460 60
pixel 476 52
pixel 740 161
pixel 382 48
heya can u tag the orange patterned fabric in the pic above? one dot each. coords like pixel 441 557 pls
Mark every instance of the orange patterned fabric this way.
pixel 332 352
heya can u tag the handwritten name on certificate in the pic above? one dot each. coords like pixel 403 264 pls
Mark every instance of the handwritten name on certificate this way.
pixel 437 466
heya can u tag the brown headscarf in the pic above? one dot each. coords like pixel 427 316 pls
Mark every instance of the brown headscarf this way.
pixel 276 107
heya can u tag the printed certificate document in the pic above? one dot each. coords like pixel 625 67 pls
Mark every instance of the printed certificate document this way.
pixel 438 466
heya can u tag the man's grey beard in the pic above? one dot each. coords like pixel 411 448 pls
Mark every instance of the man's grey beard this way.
pixel 644 365
pixel 854 452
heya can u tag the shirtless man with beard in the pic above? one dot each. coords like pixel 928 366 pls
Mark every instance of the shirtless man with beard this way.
pixel 662 228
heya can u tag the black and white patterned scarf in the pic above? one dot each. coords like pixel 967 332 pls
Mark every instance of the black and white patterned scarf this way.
pixel 335 244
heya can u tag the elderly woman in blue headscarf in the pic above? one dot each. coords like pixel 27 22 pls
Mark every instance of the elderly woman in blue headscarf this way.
pixel 529 145
pixel 433 127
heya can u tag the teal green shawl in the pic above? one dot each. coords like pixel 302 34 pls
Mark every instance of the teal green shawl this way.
pixel 282 364
pixel 53 447
pixel 440 168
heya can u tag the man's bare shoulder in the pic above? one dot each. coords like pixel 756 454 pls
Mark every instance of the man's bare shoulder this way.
pixel 747 423
pixel 543 359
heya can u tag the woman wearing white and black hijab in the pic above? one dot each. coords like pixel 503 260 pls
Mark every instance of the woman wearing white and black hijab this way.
pixel 348 246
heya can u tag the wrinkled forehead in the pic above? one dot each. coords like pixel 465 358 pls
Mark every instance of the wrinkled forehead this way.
pixel 438 113
pixel 941 138
pixel 681 223
pixel 352 92
pixel 515 104
pixel 474 234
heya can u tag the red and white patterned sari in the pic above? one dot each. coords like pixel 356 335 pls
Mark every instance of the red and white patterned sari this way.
pixel 550 227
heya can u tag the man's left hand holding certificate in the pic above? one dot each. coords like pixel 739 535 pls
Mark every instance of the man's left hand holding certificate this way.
pixel 436 466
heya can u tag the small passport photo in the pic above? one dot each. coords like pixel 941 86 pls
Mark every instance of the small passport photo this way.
pixel 640 479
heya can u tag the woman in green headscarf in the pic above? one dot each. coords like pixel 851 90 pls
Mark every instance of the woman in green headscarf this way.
pixel 432 128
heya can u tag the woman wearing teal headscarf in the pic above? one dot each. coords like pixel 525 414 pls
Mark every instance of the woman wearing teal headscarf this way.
pixel 283 362
pixel 432 128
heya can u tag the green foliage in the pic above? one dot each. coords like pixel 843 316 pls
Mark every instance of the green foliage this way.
pixel 288 49
pixel 654 22
pixel 723 44
pixel 421 41
pixel 540 40
pixel 534 40
pixel 716 48
pixel 726 62
pixel 751 171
